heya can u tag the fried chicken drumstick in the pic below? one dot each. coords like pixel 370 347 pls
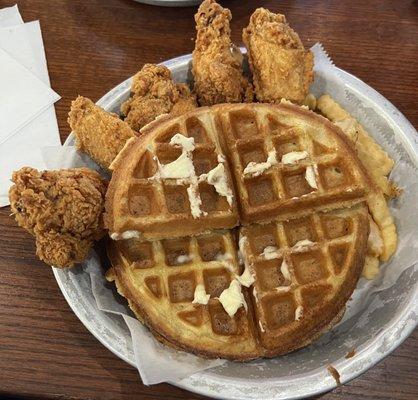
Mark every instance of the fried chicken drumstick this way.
pixel 217 63
pixel 62 209
pixel 281 67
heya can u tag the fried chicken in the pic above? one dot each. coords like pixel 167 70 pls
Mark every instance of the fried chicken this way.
pixel 153 93
pixel 217 63
pixel 62 209
pixel 98 133
pixel 280 65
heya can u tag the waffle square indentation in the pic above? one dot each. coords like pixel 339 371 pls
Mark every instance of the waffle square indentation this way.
pixel 216 281
pixel 309 266
pixel 300 229
pixel 279 310
pixel 268 274
pixel 177 251
pixel 260 190
pixel 222 323
pixel 181 287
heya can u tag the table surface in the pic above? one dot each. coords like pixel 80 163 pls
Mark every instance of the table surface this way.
pixel 92 46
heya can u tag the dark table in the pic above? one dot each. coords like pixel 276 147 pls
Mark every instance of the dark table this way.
pixel 91 46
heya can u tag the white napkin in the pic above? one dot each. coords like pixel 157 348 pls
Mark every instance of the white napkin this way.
pixel 22 98
pixel 10 16
pixel 24 43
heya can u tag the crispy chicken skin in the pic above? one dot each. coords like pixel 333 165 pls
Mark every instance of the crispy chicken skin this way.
pixel 98 133
pixel 62 209
pixel 153 93
pixel 217 63
pixel 280 65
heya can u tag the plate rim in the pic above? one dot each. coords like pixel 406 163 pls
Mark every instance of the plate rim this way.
pixel 411 138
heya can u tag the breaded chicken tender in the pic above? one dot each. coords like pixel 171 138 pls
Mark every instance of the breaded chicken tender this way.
pixel 153 93
pixel 62 209
pixel 217 62
pixel 98 133
pixel 281 67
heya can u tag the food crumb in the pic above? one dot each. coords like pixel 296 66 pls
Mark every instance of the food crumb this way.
pixel 351 353
pixel 335 374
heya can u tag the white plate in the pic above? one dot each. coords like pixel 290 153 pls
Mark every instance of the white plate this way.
pixel 302 373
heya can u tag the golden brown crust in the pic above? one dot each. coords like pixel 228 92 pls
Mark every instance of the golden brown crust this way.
pixel 217 63
pixel 153 93
pixel 315 319
pixel 62 209
pixel 280 65
pixel 98 133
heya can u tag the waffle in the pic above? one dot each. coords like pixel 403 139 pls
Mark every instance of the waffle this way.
pixel 261 142
pixel 285 309
pixel 304 272
pixel 272 149
pixel 159 280
pixel 173 181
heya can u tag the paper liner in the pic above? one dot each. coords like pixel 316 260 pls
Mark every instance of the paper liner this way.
pixel 157 363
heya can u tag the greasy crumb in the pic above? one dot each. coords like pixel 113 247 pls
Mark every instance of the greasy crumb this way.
pixel 351 353
pixel 335 374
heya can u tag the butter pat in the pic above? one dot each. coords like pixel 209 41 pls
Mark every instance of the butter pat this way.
pixel 310 177
pixel 270 252
pixel 246 279
pixel 232 298
pixel 187 143
pixel 217 178
pixel 195 200
pixel 284 269
pixel 301 244
pixel 200 295
pixel 125 235
pixel 182 167
pixel 298 313
pixel 293 157
pixel 182 259
pixel 256 169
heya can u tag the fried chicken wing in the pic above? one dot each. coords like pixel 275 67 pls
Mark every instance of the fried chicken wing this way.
pixel 153 93
pixel 217 63
pixel 280 65
pixel 99 133
pixel 62 209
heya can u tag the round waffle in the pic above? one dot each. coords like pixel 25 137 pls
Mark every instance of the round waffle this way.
pixel 293 182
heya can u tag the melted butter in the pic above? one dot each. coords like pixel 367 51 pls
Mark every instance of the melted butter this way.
pixel 310 177
pixel 301 244
pixel 195 200
pixel 256 169
pixel 270 252
pixel 125 235
pixel 246 279
pixel 200 295
pixel 217 178
pixel 298 313
pixel 293 157
pixel 232 298
pixel 284 269
pixel 187 143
